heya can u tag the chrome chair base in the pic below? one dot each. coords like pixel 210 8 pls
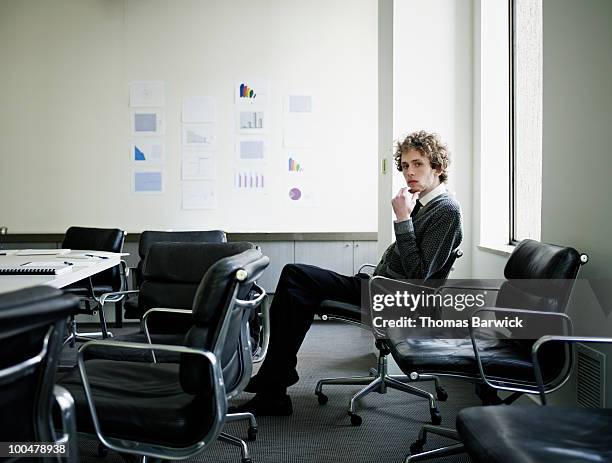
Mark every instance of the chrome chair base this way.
pixel 378 381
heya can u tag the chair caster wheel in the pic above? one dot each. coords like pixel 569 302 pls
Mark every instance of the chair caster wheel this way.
pixel 436 417
pixel 322 398
pixel 247 460
pixel 373 372
pixel 441 394
pixel 416 447
pixel 355 419
pixel 252 433
pixel 102 450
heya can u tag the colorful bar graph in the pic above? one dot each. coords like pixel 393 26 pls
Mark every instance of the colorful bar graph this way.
pixel 294 166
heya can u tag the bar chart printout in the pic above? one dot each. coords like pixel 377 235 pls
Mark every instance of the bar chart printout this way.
pixel 250 180
pixel 251 119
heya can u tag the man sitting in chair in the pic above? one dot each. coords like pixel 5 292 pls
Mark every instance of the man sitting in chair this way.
pixel 427 230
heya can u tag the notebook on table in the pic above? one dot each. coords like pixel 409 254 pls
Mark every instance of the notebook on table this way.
pixel 42 252
pixel 36 268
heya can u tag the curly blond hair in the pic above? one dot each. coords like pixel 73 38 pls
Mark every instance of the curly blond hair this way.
pixel 430 146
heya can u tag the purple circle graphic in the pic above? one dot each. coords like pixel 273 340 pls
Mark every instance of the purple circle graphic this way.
pixel 295 194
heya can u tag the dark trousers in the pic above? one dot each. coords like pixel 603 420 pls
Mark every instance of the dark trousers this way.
pixel 300 291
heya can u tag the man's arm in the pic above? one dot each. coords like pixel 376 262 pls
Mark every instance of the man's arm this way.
pixel 441 237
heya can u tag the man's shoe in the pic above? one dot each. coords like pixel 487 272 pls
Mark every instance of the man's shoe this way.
pixel 266 405
pixel 256 386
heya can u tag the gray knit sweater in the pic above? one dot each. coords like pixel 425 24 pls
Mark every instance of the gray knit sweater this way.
pixel 423 243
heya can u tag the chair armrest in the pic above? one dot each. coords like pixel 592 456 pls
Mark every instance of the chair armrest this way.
pixel 65 402
pixel 120 445
pixel 252 303
pixel 399 283
pixel 504 310
pixel 364 266
pixel 550 338
pixel 103 297
pixel 154 310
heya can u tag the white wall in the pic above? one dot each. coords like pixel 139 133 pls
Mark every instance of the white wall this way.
pixel 577 116
pixel 576 153
pixel 433 91
pixel 64 114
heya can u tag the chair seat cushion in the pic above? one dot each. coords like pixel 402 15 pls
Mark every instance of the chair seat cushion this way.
pixel 137 355
pixel 500 358
pixel 140 401
pixel 531 434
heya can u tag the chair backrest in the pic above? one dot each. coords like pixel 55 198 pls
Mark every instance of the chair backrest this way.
pixel 172 273
pixel 149 237
pixel 539 276
pixel 445 270
pixel 98 239
pixel 219 318
pixel 32 326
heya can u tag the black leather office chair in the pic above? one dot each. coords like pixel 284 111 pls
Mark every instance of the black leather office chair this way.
pixel 526 434
pixel 148 238
pixel 32 327
pixel 379 379
pixel 539 280
pixel 165 410
pixel 170 279
pixel 92 289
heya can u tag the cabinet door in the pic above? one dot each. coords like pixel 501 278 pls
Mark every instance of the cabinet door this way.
pixel 331 255
pixel 280 253
pixel 364 252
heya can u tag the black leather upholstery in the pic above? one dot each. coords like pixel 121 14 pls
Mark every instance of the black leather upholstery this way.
pixel 529 434
pixel 171 276
pixel 26 316
pixel 172 404
pixel 147 239
pixel 96 239
pixel 540 277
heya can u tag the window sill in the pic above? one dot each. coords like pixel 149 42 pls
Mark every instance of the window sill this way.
pixel 500 249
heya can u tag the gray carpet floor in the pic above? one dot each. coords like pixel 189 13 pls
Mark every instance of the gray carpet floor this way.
pixel 318 433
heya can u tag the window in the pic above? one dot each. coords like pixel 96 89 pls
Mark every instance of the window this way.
pixel 525 119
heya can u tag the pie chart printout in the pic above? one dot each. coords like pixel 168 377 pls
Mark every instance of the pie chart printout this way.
pixel 295 194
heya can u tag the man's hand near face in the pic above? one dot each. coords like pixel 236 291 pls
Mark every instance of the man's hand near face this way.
pixel 403 203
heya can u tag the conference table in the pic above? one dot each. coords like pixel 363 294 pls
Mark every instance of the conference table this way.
pixel 83 265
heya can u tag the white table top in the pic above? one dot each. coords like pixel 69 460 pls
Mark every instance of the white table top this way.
pixel 82 267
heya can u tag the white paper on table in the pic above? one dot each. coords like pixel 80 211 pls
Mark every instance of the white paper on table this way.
pixel 147 182
pixel 199 195
pixel 147 150
pixel 199 135
pixel 297 134
pixel 147 122
pixel 255 91
pixel 198 165
pixel 251 148
pixel 199 109
pixel 300 104
pixel 147 93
